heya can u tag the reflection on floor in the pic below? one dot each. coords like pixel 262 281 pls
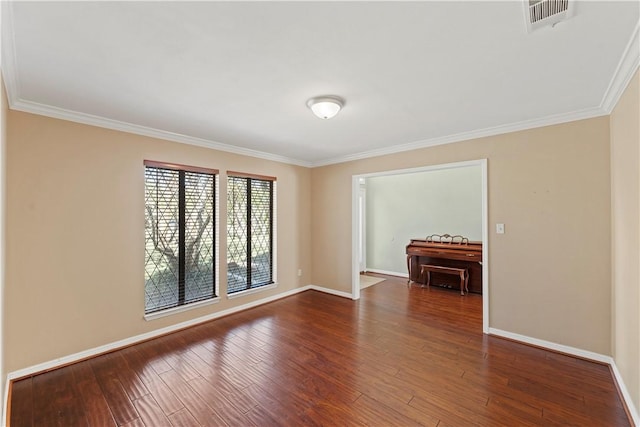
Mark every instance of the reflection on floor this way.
pixel 366 281
pixel 399 356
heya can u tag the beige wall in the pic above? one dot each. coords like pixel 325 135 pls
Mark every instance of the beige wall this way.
pixel 4 108
pixel 72 286
pixel 550 273
pixel 625 217
pixel 75 234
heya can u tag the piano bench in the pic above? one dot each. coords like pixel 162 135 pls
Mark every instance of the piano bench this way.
pixel 463 273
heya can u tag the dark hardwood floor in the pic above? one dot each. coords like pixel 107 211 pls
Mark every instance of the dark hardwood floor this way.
pixel 397 357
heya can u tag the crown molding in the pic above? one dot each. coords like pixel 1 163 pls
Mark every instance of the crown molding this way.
pixel 12 84
pixel 465 136
pixel 89 119
pixel 624 72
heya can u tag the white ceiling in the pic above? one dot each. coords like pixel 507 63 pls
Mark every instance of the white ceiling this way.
pixel 236 75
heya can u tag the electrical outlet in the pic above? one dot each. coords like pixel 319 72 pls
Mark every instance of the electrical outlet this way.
pixel 299 272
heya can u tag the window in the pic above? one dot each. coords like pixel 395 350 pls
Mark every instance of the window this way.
pixel 250 247
pixel 180 238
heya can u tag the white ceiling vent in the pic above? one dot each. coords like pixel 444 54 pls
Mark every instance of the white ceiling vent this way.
pixel 546 13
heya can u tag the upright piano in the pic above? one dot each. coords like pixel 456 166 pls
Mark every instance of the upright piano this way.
pixel 447 251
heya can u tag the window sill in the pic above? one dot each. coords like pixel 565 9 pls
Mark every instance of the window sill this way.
pixel 181 308
pixel 251 291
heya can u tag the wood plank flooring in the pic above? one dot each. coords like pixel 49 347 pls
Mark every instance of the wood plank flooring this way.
pixel 398 357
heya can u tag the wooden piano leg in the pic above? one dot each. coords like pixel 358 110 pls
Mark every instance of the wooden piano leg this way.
pixel 462 282
pixel 428 279
pixel 409 270
pixel 466 280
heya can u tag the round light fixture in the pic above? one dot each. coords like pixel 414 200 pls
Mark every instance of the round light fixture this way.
pixel 325 107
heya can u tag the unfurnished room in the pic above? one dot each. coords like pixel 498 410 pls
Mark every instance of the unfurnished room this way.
pixel 305 213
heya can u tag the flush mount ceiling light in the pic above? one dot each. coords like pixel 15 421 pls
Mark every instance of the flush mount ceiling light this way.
pixel 325 107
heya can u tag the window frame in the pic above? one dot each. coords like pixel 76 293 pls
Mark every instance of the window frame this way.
pixel 182 304
pixel 250 289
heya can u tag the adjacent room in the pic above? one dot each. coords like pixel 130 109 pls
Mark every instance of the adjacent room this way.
pixel 320 213
pixel 443 204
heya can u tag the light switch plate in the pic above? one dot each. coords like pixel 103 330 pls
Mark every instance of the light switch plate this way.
pixel 500 228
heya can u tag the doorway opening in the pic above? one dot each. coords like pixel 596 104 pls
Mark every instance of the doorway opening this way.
pixel 359 224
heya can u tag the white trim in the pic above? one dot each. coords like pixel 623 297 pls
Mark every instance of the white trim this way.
pixel 13 93
pixel 55 363
pixel 217 227
pixel 331 291
pixel 362 225
pixel 625 394
pixel 355 239
pixel 181 308
pixel 355 192
pixel 585 354
pixel 587 113
pixel 388 273
pixel 149 335
pixel 274 232
pixel 92 120
pixel 573 351
pixel 624 72
pixel 485 246
pixel 103 122
pixel 251 291
pixel 430 168
pixel 5 404
pixel 92 352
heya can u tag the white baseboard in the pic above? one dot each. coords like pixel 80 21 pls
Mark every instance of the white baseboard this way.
pixel 330 291
pixel 635 415
pixel 388 273
pixel 52 364
pixel 62 361
pixel 553 346
pixel 597 357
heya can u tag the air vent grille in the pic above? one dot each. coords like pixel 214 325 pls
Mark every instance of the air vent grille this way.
pixel 546 8
pixel 542 13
